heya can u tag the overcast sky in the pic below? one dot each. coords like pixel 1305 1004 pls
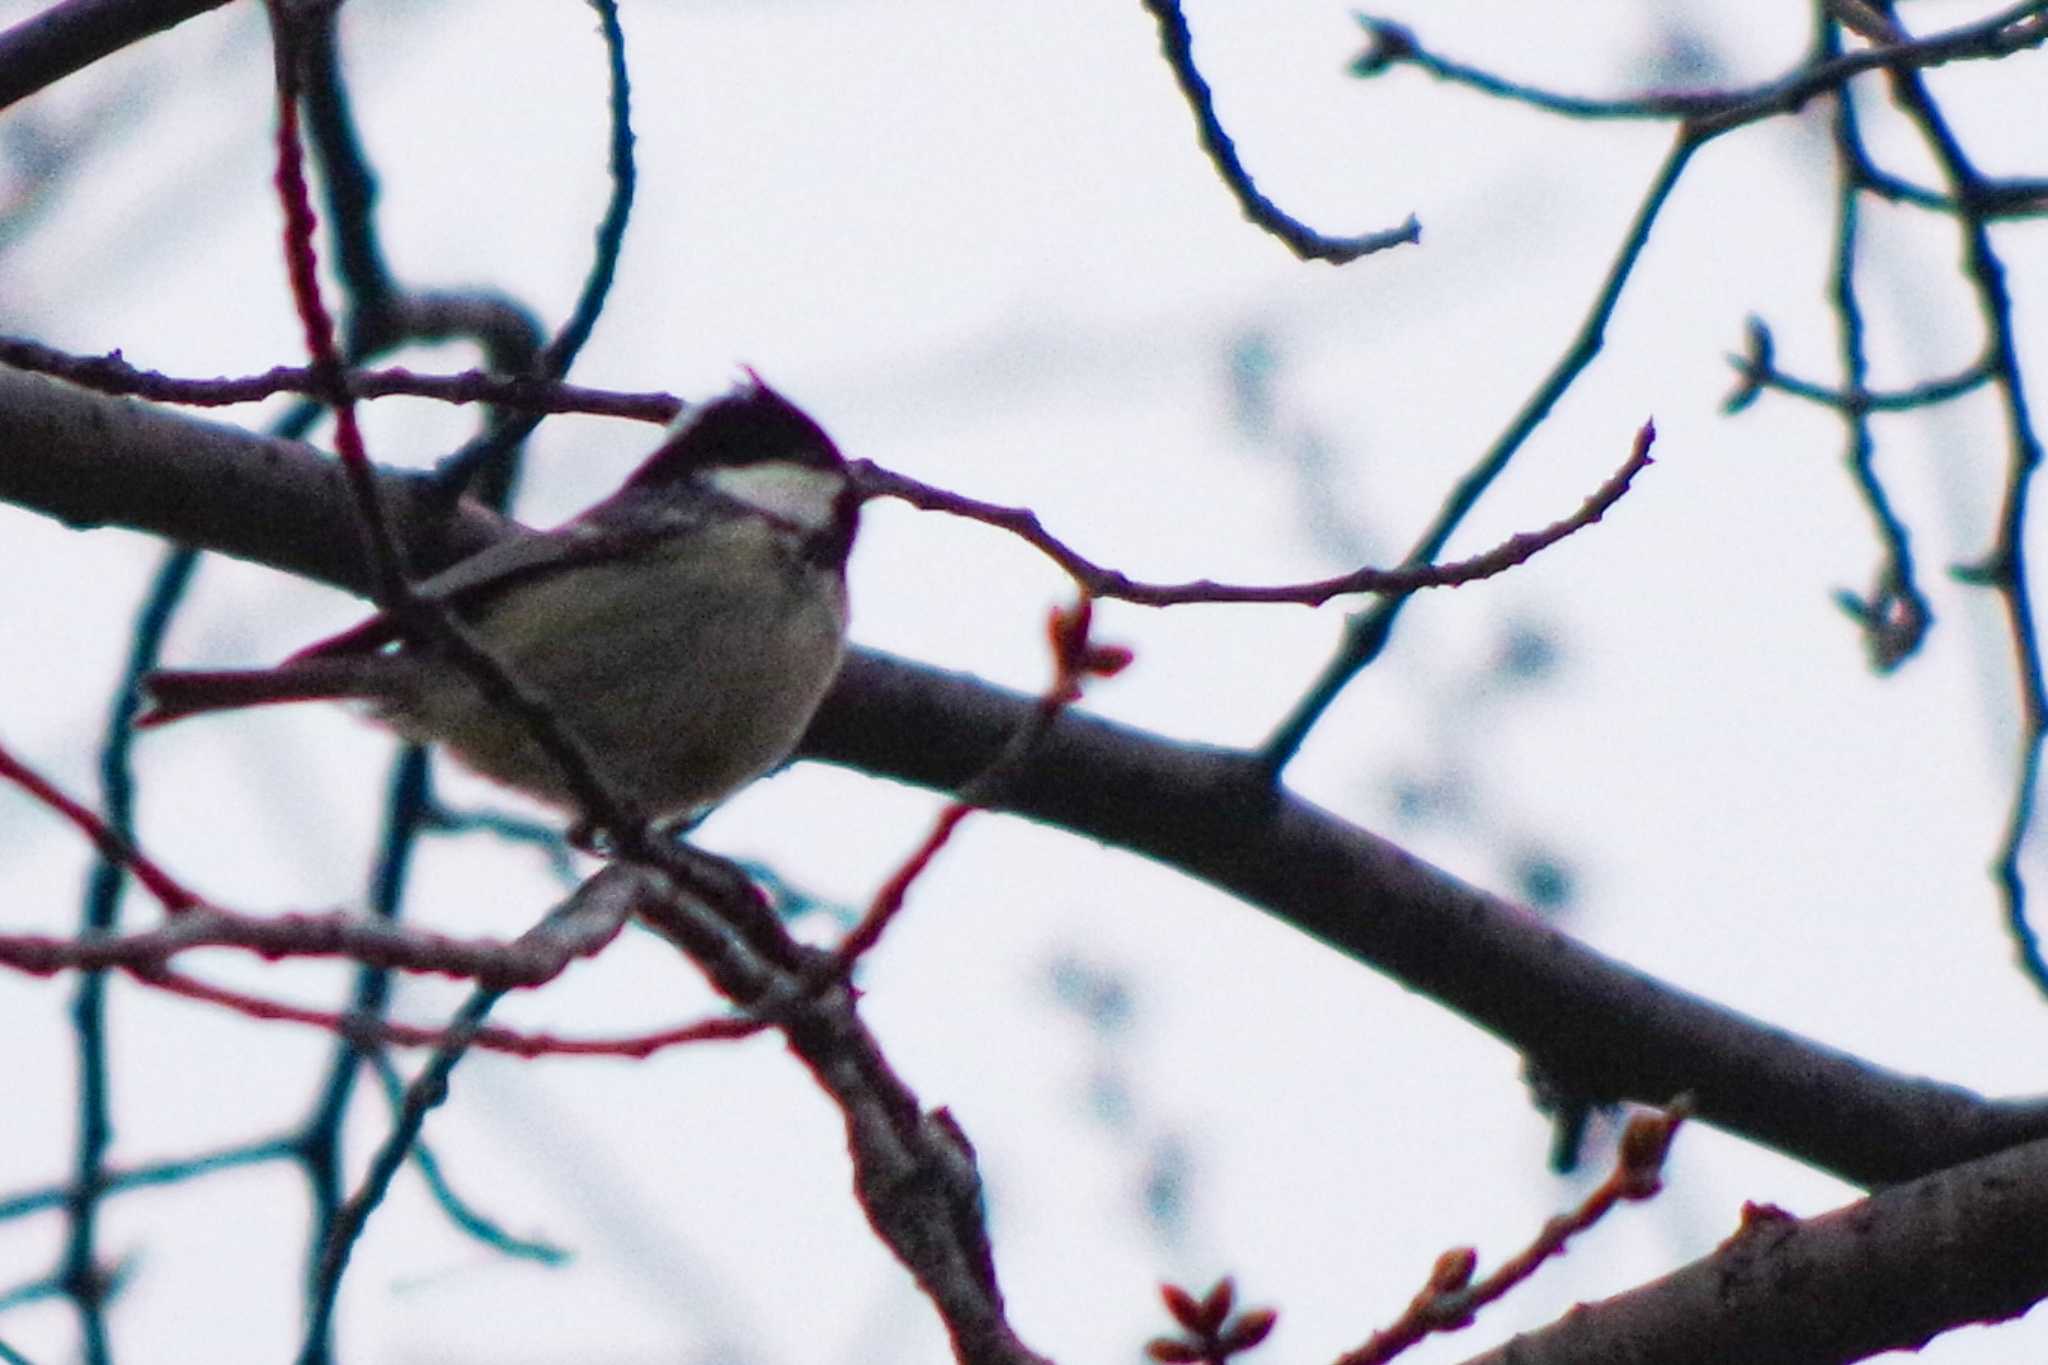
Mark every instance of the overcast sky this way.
pixel 980 244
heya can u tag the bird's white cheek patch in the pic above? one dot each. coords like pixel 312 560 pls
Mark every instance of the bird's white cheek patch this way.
pixel 795 493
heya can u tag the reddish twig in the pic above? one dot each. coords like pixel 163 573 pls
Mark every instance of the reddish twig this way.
pixel 363 1029
pixel 595 797
pixel 169 892
pixel 302 269
pixel 581 927
pixel 1075 658
pixel 1451 1298
pixel 530 961
pixel 1098 581
pixel 914 1171
pixel 113 374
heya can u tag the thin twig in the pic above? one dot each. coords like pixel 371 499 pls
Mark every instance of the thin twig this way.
pixel 427 1090
pixel 2004 568
pixel 1177 45
pixel 112 845
pixel 1102 582
pixel 371 1030
pixel 1712 112
pixel 1451 1299
pixel 1076 659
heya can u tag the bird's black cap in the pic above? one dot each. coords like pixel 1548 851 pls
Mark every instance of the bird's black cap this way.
pixel 751 425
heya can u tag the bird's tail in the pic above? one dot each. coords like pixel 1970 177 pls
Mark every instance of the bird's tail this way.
pixel 173 694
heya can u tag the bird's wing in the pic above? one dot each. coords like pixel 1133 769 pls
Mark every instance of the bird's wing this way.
pixel 468 583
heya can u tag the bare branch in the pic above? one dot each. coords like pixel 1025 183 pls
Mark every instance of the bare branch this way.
pixel 1450 1299
pixel 1177 45
pixel 1713 112
pixel 1886 1273
pixel 112 374
pixel 73 34
pixel 1366 634
pixel 914 1171
pixel 1604 1028
pixel 1099 581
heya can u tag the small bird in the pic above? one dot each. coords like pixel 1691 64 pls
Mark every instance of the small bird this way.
pixel 683 630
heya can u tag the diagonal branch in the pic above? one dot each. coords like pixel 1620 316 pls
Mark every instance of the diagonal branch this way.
pixel 70 36
pixel 1177 45
pixel 1366 634
pixel 1100 581
pixel 1608 1030
pixel 1959 1246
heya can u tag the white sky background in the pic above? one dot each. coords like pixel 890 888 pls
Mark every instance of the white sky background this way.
pixel 979 242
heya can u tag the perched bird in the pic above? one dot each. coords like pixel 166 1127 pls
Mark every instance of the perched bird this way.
pixel 683 630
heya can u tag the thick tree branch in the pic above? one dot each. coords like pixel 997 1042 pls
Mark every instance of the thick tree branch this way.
pixel 1602 1028
pixel 1894 1270
pixel 1605 1030
pixel 71 36
pixel 91 461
